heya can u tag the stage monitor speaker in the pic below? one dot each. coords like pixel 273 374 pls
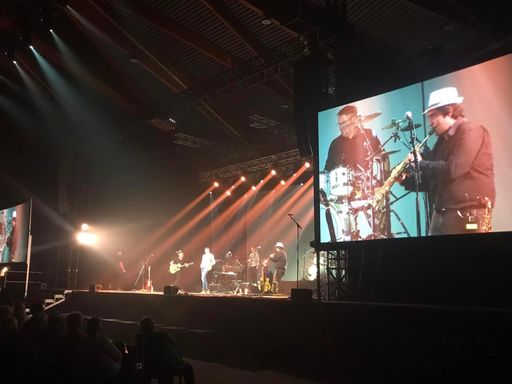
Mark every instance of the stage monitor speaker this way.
pixel 301 294
pixel 95 288
pixel 171 290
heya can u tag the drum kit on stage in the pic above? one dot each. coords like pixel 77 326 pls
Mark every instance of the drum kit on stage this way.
pixel 348 193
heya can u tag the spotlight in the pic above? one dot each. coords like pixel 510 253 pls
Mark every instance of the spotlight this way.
pixel 215 184
pixel 51 30
pixel 31 47
pixel 228 193
pixel 86 238
pixel 307 165
pixel 243 178
pixel 273 172
pixel 14 62
pixel 283 182
pixel 253 188
pixel 84 227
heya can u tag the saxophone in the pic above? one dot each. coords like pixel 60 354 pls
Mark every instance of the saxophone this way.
pixel 395 175
pixel 486 223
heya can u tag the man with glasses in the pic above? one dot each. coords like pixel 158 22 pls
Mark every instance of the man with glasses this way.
pixel 355 145
pixel 353 171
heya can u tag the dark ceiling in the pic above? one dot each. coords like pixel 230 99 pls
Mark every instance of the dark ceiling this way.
pixel 222 70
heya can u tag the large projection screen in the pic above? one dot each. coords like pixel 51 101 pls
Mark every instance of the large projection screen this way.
pixel 347 203
pixel 14 233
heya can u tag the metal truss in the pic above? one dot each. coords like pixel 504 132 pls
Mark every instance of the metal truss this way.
pixel 337 274
pixel 266 124
pixel 191 141
pixel 281 162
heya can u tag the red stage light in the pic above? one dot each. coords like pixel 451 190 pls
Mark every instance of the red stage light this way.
pixel 215 184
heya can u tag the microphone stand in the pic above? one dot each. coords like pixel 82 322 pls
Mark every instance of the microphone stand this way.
pixel 417 177
pixel 298 230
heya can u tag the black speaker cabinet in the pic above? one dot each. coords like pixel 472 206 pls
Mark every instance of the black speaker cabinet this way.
pixel 301 294
pixel 171 290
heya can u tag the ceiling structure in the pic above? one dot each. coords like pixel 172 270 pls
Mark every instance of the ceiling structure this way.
pixel 213 80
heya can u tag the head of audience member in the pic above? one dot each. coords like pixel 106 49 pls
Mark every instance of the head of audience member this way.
pixel 74 322
pixel 93 326
pixel 147 324
pixel 20 312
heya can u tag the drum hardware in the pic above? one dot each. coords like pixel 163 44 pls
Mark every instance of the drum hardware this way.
pixel 409 128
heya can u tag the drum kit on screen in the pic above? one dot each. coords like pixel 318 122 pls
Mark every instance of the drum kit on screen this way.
pixel 351 196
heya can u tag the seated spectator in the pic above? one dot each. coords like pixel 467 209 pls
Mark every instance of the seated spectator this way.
pixel 157 353
pixel 102 358
pixel 73 348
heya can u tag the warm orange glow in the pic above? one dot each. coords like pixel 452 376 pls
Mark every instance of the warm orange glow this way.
pixel 229 192
pixel 273 172
pixel 215 184
pixel 253 188
pixel 171 222
pixel 283 182
pixel 243 178
pixel 307 165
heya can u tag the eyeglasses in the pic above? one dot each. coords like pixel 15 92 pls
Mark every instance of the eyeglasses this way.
pixel 346 123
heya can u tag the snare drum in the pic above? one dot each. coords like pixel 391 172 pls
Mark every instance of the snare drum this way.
pixel 324 182
pixel 342 182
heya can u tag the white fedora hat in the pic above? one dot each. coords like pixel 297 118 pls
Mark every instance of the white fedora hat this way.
pixel 442 97
pixel 279 244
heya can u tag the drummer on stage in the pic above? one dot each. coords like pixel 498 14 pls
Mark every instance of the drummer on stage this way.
pixel 355 144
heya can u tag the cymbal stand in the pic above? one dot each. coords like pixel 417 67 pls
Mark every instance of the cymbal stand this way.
pixel 416 172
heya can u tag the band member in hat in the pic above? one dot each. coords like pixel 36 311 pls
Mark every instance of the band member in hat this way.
pixel 459 172
pixel 176 267
pixel 276 263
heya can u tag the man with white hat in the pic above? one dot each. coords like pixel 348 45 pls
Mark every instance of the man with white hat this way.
pixel 277 266
pixel 459 172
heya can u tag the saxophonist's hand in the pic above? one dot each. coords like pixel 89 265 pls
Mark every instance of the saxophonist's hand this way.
pixel 410 158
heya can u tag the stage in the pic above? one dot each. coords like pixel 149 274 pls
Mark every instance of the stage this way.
pixel 327 341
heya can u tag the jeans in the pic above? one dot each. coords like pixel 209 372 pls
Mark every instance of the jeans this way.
pixel 204 279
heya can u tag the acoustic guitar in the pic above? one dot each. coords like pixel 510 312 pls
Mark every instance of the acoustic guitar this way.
pixel 174 267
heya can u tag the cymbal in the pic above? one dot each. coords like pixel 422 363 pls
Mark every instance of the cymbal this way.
pixel 407 129
pixel 394 124
pixel 387 153
pixel 371 116
pixel 383 154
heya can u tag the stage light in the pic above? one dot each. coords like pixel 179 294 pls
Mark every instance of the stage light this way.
pixel 273 172
pixel 253 188
pixel 14 62
pixel 283 182
pixel 84 227
pixel 31 47
pixel 307 165
pixel 243 178
pixel 51 30
pixel 86 238
pixel 228 193
pixel 215 184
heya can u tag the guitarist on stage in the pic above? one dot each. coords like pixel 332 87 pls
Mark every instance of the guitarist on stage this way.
pixel 176 265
